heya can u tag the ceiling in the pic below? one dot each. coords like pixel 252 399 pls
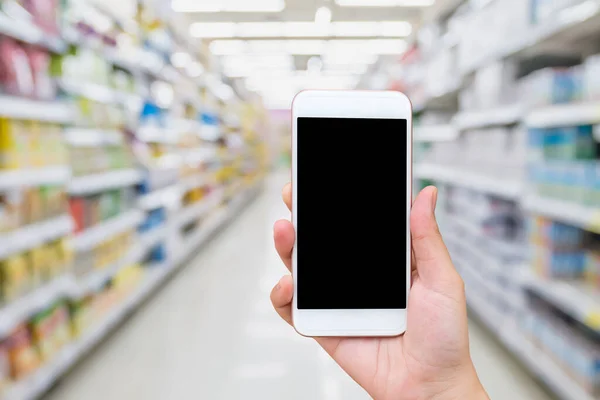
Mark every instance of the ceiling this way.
pixel 281 52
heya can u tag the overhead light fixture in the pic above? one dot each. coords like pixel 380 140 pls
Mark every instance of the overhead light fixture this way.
pixel 211 6
pixel 323 15
pixel 260 29
pixel 358 29
pixel 306 29
pixel 226 47
pixel 385 3
pixel 180 59
pixel 213 30
pixel 395 28
pixel 195 69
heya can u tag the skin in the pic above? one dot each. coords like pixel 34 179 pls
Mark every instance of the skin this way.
pixel 432 359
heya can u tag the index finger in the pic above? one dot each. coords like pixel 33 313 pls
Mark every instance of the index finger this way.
pixel 287 195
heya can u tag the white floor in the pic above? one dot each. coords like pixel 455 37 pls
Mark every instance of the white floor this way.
pixel 211 334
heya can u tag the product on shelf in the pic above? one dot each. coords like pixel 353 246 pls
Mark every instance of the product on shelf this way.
pixel 569 346
pixel 23 355
pixel 29 206
pixel 30 144
pixel 553 86
pixel 88 211
pixel 87 160
pixel 50 330
pixel 15 277
pixel 558 249
pixel 103 255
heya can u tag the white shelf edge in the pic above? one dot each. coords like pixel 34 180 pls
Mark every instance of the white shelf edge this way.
pixel 28 32
pixel 40 381
pixel 14 313
pixel 33 177
pixel 505 188
pixel 587 113
pixel 435 133
pixel 95 235
pixel 161 197
pixel 506 115
pixel 574 214
pixel 56 111
pixel 94 183
pixel 34 235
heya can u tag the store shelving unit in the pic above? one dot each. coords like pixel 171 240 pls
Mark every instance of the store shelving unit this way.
pixel 41 381
pixel 466 61
pixel 510 189
pixel 107 229
pixel 564 115
pixel 435 133
pixel 575 214
pixel 33 235
pixel 83 185
pixel 48 111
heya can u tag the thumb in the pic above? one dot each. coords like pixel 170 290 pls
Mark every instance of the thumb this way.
pixel 434 265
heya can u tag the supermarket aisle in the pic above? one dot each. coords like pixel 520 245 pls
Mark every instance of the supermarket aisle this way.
pixel 211 334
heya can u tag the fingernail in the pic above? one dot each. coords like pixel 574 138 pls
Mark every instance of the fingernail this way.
pixel 434 197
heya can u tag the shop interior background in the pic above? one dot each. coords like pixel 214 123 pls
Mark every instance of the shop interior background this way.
pixel 143 145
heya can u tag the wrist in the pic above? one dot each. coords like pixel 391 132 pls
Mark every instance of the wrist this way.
pixel 463 386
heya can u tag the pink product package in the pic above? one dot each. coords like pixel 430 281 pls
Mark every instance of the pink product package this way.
pixel 45 14
pixel 40 66
pixel 16 76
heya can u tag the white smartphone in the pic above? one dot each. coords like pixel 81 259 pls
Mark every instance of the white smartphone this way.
pixel 352 190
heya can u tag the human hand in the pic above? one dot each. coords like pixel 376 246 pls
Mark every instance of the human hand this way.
pixel 432 359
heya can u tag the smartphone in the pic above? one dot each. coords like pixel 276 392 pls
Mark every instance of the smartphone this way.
pixel 351 195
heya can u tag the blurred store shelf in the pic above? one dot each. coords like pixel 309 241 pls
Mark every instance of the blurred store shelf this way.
pixel 540 364
pixel 572 213
pixel 107 229
pixel 34 235
pixel 95 279
pixel 88 184
pixel 435 133
pixel 92 136
pixel 26 31
pixel 194 212
pixel 507 115
pixel 97 92
pixel 39 382
pixel 564 115
pixel 34 177
pixel 36 110
pixel 17 311
pixel 578 300
pixel 509 189
pixel 161 197
pixel 573 22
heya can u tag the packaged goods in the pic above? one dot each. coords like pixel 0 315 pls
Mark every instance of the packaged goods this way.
pixel 22 353
pixel 16 279
pixel 16 76
pixel 5 376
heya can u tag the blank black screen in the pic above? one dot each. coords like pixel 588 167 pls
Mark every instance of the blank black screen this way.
pixel 351 213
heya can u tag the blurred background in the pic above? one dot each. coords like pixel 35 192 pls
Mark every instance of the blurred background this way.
pixel 144 144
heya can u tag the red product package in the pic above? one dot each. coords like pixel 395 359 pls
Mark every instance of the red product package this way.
pixel 77 206
pixel 16 76
pixel 40 65
pixel 45 14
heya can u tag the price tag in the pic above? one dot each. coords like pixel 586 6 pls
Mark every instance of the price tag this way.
pixel 594 224
pixel 593 320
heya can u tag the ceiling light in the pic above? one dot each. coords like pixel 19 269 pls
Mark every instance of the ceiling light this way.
pixel 385 3
pixel 395 28
pixel 306 29
pixel 228 5
pixel 180 59
pixel 195 69
pixel 260 29
pixel 225 47
pixel 323 15
pixel 359 29
pixel 267 46
pixel 305 47
pixel 213 30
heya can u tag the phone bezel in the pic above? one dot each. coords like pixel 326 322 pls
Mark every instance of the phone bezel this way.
pixel 352 104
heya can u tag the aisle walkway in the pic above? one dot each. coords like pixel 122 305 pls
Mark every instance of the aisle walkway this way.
pixel 212 335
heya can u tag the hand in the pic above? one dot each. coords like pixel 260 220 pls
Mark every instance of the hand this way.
pixel 432 359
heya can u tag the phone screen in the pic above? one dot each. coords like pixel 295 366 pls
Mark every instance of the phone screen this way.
pixel 351 213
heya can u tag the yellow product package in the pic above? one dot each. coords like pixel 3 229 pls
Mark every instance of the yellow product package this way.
pixel 37 152
pixel 8 145
pixel 37 265
pixel 15 279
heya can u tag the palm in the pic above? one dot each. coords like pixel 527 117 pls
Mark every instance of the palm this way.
pixel 375 362
pixel 434 352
